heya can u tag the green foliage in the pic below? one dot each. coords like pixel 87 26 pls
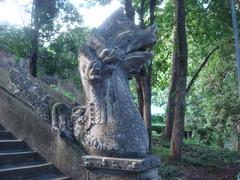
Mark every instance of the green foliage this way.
pixel 57 51
pixel 155 135
pixel 157 119
pixel 60 57
pixel 15 40
pixel 213 99
pixel 163 48
pixel 201 155
pixel 158 126
pixel 133 89
pixel 66 93
pixel 53 15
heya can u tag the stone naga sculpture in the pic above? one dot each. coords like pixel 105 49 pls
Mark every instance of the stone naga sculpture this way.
pixel 111 124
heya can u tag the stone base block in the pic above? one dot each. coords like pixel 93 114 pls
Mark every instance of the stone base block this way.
pixel 110 168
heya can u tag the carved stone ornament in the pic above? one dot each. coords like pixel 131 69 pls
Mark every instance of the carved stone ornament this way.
pixel 111 124
pixel 26 89
pixel 124 164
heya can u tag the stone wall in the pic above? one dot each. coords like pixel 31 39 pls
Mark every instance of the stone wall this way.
pixel 28 126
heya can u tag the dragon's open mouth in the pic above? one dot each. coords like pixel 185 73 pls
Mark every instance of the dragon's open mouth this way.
pixel 146 41
pixel 138 53
pixel 134 61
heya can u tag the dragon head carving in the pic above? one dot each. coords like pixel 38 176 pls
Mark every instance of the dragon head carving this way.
pixel 120 40
pixel 112 123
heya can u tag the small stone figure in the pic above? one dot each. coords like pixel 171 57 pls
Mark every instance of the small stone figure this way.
pixel 61 122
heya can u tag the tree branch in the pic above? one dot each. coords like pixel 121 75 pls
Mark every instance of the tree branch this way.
pixel 200 68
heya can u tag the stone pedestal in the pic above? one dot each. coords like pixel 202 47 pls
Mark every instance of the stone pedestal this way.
pixel 110 168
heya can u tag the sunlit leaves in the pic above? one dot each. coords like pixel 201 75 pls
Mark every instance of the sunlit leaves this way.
pixel 62 53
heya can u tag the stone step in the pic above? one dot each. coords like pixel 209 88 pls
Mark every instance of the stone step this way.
pixel 8 146
pixel 19 162
pixel 11 159
pixel 38 171
pixel 6 135
pixel 49 177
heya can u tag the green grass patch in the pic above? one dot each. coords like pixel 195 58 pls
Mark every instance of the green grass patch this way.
pixel 168 169
pixel 201 155
pixel 161 151
pixel 195 155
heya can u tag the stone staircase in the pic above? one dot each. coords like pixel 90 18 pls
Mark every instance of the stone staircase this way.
pixel 19 162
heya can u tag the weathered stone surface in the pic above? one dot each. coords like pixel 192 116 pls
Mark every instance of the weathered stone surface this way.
pixel 120 164
pixel 15 79
pixel 151 174
pixel 110 168
pixel 112 124
pixel 30 91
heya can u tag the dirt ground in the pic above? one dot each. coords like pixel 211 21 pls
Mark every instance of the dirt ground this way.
pixel 205 173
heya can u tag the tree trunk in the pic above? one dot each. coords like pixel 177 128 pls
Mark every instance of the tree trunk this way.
pixel 236 40
pixel 237 147
pixel 146 109
pixel 140 92
pixel 35 38
pixel 238 143
pixel 182 56
pixel 147 89
pixel 139 77
pixel 142 10
pixel 172 92
pixel 144 101
pixel 130 12
pixel 173 86
pixel 144 82
pixel 152 9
